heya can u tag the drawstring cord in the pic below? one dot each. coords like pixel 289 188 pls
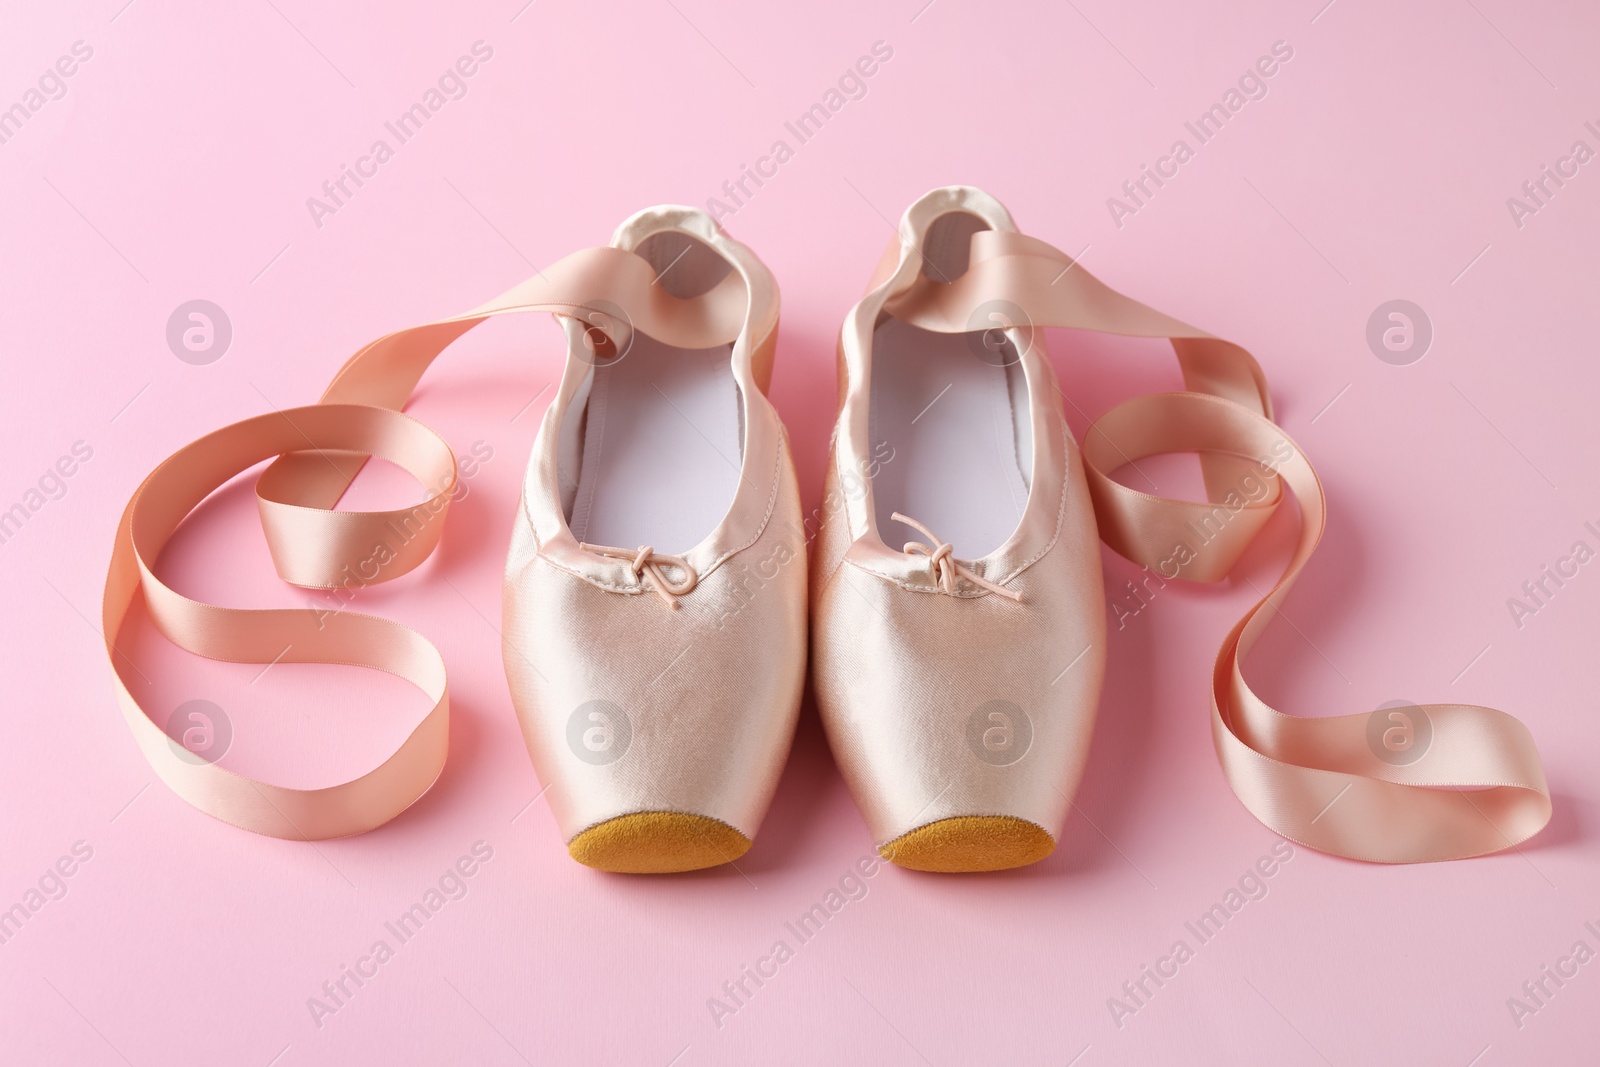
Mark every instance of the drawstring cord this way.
pixel 942 562
pixel 651 567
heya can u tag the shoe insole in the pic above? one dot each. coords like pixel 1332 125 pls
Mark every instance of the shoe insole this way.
pixel 950 418
pixel 661 448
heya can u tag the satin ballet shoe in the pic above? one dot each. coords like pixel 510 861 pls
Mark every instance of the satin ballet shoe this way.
pixel 657 689
pixel 957 676
pixel 654 599
pixel 957 614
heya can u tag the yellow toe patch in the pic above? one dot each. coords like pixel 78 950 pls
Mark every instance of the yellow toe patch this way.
pixel 657 842
pixel 970 843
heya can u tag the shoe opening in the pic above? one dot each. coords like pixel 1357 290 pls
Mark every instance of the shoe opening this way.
pixel 947 249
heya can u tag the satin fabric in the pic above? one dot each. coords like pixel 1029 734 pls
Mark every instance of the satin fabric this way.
pixel 319 450
pixel 901 667
pixel 708 694
pixel 1478 788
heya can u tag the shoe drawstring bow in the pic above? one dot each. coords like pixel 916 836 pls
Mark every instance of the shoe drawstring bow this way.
pixel 943 564
pixel 654 569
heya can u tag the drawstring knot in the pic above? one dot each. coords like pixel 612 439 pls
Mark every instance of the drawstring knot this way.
pixel 942 563
pixel 653 568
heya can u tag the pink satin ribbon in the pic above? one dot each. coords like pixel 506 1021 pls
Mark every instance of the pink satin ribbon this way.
pixel 319 449
pixel 1479 786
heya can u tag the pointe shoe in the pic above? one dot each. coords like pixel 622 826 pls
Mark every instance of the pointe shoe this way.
pixel 657 689
pixel 957 679
pixel 658 686
pixel 958 622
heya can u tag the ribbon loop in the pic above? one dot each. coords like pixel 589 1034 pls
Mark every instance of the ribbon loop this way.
pixel 1196 540
pixel 296 635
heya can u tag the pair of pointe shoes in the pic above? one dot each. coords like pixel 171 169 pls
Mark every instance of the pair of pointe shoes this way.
pixel 657 597
pixel 658 610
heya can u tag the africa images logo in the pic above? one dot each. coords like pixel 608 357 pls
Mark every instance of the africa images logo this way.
pixel 337 192
pixel 1251 85
pixel 851 85
pixel 50 86
pixel 1538 191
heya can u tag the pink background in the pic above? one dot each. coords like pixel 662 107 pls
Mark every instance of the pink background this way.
pixel 177 166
